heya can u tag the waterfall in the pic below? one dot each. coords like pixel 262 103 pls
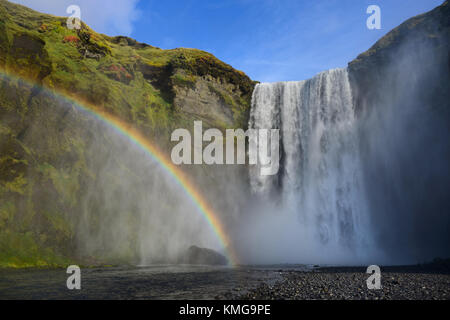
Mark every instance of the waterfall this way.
pixel 320 179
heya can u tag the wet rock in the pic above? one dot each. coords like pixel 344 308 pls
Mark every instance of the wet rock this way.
pixel 197 255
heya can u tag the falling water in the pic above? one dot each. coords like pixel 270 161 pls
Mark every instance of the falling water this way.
pixel 320 180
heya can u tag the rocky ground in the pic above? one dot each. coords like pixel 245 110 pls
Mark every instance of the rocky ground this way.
pixel 428 282
pixel 128 282
pixel 288 282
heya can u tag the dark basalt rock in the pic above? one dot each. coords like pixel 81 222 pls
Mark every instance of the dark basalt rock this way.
pixel 422 40
pixel 127 41
pixel 196 255
pixel 402 85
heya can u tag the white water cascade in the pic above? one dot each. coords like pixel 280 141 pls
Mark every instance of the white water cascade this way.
pixel 318 194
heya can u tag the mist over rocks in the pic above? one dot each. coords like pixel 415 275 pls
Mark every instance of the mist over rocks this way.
pixel 365 174
pixel 401 92
pixel 205 256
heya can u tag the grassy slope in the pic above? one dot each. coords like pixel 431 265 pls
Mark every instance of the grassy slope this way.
pixel 43 162
pixel 145 73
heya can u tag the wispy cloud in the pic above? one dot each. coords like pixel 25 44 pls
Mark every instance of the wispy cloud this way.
pixel 112 17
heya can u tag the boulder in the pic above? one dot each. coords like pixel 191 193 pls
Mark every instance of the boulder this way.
pixel 197 255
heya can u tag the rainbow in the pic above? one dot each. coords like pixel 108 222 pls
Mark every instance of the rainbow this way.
pixel 138 139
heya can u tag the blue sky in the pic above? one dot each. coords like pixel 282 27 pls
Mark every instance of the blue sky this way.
pixel 270 40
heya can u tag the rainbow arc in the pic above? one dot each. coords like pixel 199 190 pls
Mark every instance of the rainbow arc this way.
pixel 155 153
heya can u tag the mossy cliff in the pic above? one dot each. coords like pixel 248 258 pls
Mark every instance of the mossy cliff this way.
pixel 44 162
pixel 142 84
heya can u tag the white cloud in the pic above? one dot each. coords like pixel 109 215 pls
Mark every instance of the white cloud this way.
pixel 112 17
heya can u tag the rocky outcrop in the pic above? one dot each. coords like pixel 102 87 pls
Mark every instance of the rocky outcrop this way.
pixel 197 255
pixel 207 99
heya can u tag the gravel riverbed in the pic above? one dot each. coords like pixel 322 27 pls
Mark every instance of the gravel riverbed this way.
pixel 244 282
pixel 346 283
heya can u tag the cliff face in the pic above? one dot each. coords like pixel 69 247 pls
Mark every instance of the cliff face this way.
pixel 421 42
pixel 107 71
pixel 401 89
pixel 53 157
